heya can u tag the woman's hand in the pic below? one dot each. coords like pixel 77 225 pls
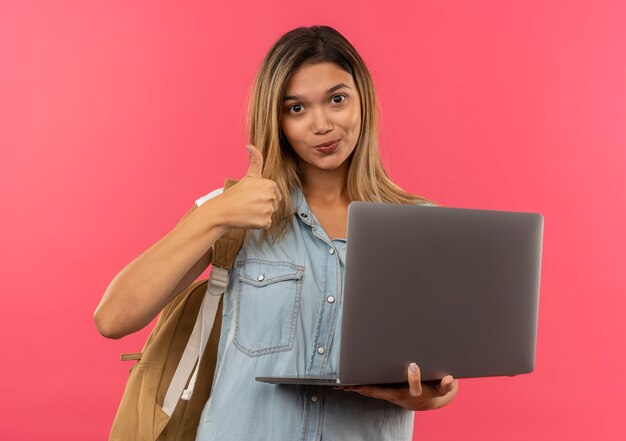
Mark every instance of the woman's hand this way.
pixel 252 201
pixel 417 396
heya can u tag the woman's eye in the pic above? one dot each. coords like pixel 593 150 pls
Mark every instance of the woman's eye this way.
pixel 291 109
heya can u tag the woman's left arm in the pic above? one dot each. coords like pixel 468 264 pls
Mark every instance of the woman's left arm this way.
pixel 417 396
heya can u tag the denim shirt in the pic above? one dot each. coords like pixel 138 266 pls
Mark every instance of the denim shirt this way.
pixel 281 317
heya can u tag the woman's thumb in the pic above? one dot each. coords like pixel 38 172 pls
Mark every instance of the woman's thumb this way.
pixel 256 161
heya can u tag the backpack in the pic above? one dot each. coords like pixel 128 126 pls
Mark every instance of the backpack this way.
pixel 171 381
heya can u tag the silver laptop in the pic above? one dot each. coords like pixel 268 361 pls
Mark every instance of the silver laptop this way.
pixel 455 290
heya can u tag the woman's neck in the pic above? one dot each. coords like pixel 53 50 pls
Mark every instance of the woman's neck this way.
pixel 327 187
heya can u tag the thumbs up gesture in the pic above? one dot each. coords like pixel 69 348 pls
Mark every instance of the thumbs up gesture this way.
pixel 252 201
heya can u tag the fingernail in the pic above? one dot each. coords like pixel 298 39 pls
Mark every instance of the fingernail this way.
pixel 248 148
pixel 413 367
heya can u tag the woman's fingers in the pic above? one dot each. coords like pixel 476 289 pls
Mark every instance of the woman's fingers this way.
pixel 415 383
pixel 447 384
pixel 278 195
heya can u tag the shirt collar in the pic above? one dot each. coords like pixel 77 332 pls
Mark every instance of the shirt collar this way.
pixel 300 207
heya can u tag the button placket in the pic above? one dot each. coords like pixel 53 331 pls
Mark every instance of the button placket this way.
pixel 328 321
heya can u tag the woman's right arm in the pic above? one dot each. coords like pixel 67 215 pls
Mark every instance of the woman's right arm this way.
pixel 142 289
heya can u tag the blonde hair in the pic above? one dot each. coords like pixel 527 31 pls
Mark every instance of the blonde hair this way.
pixel 367 179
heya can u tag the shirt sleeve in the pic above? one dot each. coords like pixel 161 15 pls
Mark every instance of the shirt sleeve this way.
pixel 206 197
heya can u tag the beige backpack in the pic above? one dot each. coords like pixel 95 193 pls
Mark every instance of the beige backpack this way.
pixel 169 385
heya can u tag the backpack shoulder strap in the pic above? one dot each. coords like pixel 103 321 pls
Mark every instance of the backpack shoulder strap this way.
pixel 228 245
pixel 225 251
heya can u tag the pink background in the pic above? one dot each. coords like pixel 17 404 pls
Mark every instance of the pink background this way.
pixel 115 116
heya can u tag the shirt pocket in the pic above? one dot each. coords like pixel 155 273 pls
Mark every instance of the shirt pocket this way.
pixel 268 305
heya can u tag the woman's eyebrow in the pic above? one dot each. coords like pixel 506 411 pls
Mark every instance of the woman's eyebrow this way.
pixel 329 91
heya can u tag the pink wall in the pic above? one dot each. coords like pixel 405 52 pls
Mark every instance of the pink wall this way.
pixel 116 116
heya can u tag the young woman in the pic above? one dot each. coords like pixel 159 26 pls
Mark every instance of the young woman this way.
pixel 313 131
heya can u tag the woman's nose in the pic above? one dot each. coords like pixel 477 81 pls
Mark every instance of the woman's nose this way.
pixel 321 122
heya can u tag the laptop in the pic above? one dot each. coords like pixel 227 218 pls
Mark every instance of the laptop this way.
pixel 455 290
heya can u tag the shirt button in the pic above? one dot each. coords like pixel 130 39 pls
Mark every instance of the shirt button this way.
pixel 320 350
pixel 304 215
pixel 261 277
pixel 331 251
pixel 314 398
pixel 330 299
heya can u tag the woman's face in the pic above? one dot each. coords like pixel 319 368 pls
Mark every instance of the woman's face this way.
pixel 321 104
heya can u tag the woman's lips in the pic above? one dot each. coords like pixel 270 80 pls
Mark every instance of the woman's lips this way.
pixel 328 149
